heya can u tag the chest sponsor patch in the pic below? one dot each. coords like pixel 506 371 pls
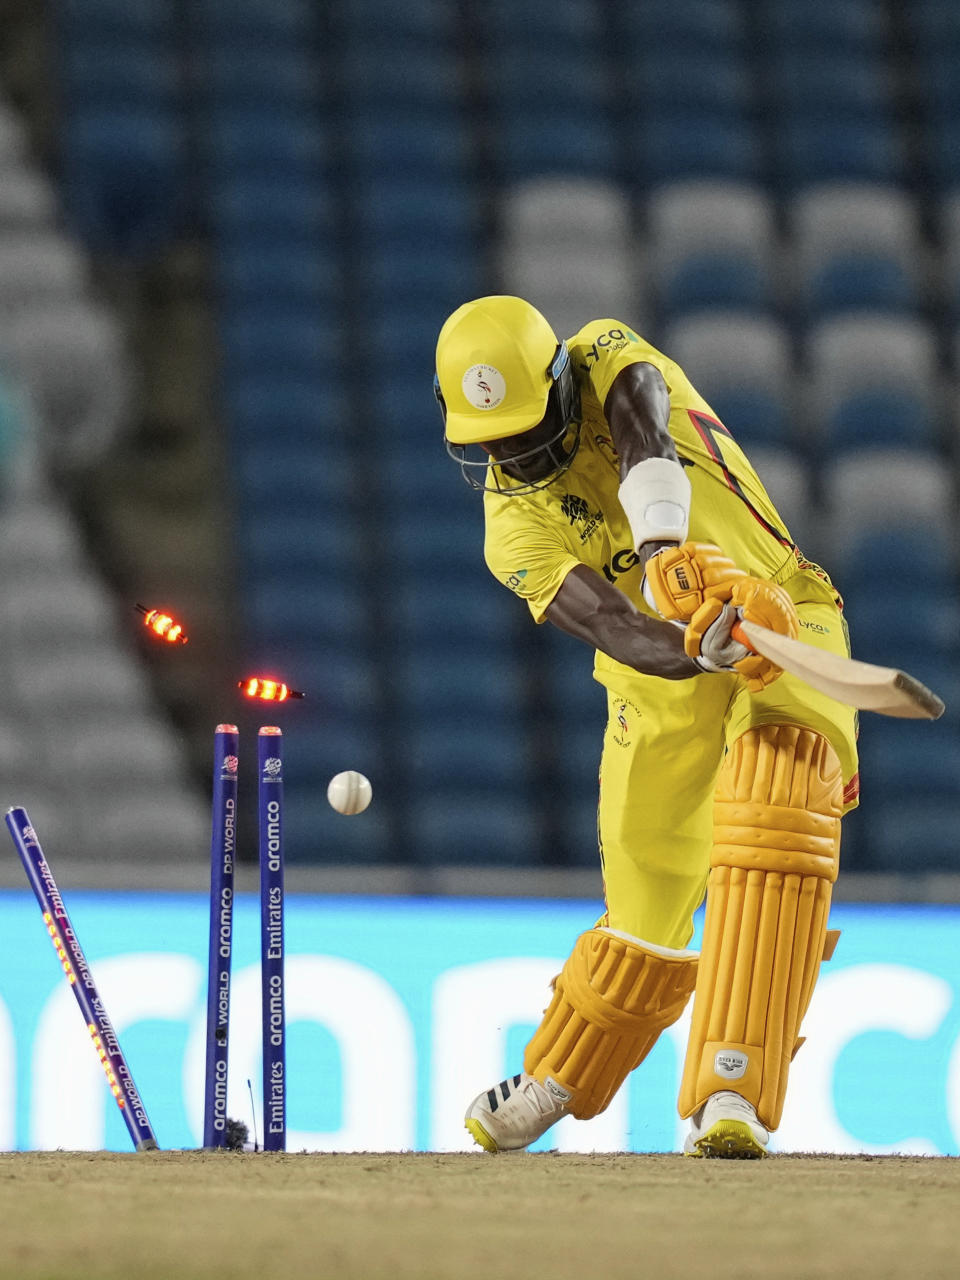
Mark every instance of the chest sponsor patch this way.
pixel 612 340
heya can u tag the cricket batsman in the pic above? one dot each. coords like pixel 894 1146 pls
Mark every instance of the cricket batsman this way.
pixel 621 509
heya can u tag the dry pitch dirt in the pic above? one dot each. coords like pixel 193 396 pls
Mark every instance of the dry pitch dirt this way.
pixel 180 1215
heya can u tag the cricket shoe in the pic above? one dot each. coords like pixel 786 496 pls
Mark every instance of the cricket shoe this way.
pixel 726 1127
pixel 515 1112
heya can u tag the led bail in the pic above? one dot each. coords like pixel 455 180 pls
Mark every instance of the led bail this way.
pixel 162 625
pixel 265 690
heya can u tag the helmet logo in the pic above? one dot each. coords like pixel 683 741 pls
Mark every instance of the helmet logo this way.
pixel 483 386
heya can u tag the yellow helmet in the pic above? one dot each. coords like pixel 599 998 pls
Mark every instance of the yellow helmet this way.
pixel 496 361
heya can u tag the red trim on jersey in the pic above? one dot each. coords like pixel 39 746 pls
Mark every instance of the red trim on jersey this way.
pixel 708 443
pixel 733 484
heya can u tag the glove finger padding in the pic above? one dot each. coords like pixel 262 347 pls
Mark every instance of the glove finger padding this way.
pixel 679 580
pixel 769 605
pixel 707 637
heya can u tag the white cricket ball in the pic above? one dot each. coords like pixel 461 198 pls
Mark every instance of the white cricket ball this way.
pixel 349 792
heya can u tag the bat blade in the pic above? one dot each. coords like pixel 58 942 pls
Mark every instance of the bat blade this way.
pixel 885 690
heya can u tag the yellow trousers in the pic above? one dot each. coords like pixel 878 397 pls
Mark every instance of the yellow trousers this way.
pixel 664 743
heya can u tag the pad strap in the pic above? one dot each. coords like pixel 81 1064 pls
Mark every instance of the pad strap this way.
pixel 611 1001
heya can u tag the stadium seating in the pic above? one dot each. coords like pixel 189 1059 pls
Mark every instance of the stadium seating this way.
pixel 64 349
pixel 702 25
pixel 933 27
pixel 12 431
pixel 854 26
pixel 13 138
pixel 26 200
pixel 716 247
pixel 768 191
pixel 895 489
pixel 948 218
pixel 741 362
pixel 283 26
pixel 915 620
pixel 122 149
pixel 788 478
pixel 857 246
pixel 889 550
pixel 568 245
pixel 852 358
pixel 538 59
pixel 915 836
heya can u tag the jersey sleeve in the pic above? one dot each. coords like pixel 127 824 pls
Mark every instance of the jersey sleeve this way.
pixel 603 347
pixel 528 555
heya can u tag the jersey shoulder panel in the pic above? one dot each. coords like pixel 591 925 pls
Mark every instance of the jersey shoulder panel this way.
pixel 602 348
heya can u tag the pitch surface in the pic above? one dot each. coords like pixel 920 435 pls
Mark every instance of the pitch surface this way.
pixel 103 1216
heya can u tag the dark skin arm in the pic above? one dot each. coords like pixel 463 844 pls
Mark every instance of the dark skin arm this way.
pixel 592 609
pixel 587 606
pixel 637 408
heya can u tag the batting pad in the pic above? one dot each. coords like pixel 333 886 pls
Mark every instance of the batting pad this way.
pixel 775 858
pixel 612 999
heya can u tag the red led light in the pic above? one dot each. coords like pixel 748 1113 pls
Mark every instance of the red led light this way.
pixel 266 690
pixel 162 625
pixel 105 1064
pixel 60 949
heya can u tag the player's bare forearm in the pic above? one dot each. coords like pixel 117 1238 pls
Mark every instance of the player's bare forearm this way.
pixel 592 609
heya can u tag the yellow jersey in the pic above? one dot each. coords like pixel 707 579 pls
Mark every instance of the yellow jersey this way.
pixel 533 540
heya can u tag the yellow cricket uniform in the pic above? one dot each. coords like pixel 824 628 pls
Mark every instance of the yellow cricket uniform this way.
pixel 665 739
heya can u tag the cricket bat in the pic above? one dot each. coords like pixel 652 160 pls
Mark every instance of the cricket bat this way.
pixel 857 684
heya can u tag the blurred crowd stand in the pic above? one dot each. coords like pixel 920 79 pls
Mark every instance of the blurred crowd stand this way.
pixel 767 189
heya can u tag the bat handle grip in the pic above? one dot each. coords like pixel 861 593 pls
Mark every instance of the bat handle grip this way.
pixel 737 633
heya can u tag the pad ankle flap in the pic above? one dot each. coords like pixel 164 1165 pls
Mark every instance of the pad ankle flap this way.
pixel 610 1003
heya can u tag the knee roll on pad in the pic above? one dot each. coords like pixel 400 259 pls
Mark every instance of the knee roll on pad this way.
pixel 611 1001
pixel 775 858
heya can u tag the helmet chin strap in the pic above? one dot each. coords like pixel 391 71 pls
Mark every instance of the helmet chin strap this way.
pixel 536 460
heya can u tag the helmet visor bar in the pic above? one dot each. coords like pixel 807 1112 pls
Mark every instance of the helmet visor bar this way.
pixel 534 468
